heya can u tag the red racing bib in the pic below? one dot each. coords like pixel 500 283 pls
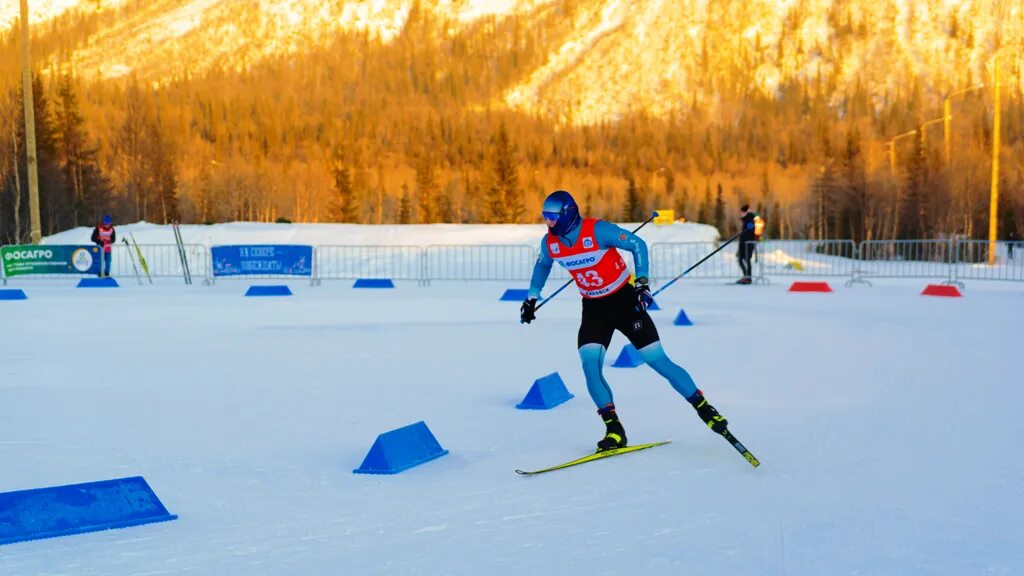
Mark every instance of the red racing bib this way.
pixel 597 271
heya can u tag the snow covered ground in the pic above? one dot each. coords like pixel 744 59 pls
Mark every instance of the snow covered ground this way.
pixel 888 425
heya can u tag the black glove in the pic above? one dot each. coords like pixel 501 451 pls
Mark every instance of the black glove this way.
pixel 526 313
pixel 644 299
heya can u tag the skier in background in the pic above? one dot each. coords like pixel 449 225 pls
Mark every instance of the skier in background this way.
pixel 104 236
pixel 612 301
pixel 749 235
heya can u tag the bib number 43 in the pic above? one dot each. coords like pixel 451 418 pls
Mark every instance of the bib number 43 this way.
pixel 589 279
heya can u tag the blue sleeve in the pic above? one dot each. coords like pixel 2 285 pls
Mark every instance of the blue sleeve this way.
pixel 609 235
pixel 541 271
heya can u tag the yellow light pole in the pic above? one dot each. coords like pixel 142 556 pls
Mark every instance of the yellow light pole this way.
pixel 892 151
pixel 929 123
pixel 993 218
pixel 947 115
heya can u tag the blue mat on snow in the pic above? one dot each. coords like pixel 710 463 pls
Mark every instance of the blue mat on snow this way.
pixel 78 508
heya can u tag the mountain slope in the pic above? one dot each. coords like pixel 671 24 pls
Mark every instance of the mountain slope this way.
pixel 608 58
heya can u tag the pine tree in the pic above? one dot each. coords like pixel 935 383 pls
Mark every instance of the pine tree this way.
pixel 426 191
pixel 704 212
pixel 504 198
pixel 345 204
pixel 631 212
pixel 404 208
pixel 720 222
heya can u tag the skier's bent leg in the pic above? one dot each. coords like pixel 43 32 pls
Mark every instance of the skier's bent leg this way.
pixel 592 357
pixel 654 355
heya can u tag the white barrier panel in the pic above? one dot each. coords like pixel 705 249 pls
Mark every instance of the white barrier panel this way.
pixel 487 262
pixel 352 262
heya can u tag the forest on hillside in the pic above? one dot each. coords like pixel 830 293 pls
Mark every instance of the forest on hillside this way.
pixel 409 132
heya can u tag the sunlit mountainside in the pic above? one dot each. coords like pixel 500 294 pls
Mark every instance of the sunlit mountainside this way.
pixel 824 114
pixel 607 57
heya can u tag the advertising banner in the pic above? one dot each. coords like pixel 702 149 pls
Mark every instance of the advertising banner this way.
pixel 50 259
pixel 262 260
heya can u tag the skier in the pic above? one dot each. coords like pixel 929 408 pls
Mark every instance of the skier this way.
pixel 104 236
pixel 749 236
pixel 612 300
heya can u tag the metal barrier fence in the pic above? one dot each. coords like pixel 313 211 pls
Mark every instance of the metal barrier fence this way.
pixel 351 262
pixel 949 260
pixel 487 262
pixel 162 260
pixel 906 259
pixel 971 262
pixel 671 258
pixel 806 258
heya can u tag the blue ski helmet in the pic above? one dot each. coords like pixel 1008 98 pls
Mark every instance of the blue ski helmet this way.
pixel 560 212
pixel 107 220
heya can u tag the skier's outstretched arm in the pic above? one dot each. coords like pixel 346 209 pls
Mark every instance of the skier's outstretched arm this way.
pixel 541 271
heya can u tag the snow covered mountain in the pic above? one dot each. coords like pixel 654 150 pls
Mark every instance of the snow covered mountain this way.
pixel 605 58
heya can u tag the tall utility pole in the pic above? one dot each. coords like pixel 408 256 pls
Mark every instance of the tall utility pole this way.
pixel 947 115
pixel 993 209
pixel 30 128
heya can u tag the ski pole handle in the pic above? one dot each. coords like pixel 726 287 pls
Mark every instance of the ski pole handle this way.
pixel 566 285
pixel 701 261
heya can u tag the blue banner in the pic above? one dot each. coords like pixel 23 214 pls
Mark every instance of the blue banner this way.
pixel 50 259
pixel 262 260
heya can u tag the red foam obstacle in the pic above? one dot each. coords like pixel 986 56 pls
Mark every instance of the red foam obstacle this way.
pixel 940 290
pixel 810 287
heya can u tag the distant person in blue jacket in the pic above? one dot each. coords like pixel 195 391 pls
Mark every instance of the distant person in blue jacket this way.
pixel 612 300
pixel 104 236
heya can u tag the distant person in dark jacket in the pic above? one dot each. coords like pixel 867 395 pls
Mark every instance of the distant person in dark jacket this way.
pixel 104 236
pixel 747 245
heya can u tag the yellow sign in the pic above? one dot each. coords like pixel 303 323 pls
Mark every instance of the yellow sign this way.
pixel 665 217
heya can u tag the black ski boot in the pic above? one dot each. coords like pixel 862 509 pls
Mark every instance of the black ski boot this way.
pixel 615 434
pixel 708 414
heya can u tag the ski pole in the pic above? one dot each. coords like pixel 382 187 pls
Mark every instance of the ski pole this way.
pixel 132 258
pixel 564 286
pixel 701 261
pixel 142 259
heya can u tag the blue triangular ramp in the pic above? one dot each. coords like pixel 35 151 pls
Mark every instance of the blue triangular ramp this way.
pixel 12 294
pixel 277 290
pixel 546 393
pixel 78 508
pixel 515 294
pixel 106 282
pixel 401 449
pixel 654 306
pixel 682 319
pixel 373 283
pixel 629 358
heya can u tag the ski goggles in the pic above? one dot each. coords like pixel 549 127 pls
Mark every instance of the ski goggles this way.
pixel 550 216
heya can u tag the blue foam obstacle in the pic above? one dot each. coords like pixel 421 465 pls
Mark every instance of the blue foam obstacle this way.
pixel 373 283
pixel 401 449
pixel 682 319
pixel 546 393
pixel 106 282
pixel 12 294
pixel 515 295
pixel 78 508
pixel 653 306
pixel 276 290
pixel 629 358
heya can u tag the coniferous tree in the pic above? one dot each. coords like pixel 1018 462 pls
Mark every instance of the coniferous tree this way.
pixel 404 207
pixel 720 222
pixel 426 191
pixel 345 205
pixel 704 212
pixel 504 198
pixel 631 210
